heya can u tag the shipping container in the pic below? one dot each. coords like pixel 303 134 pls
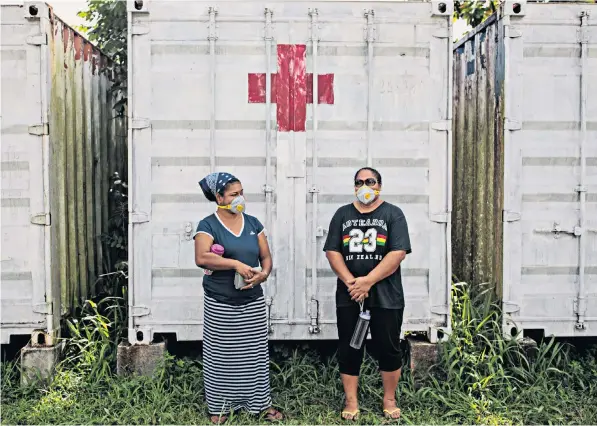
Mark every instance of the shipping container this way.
pixel 525 164
pixel 353 83
pixel 60 144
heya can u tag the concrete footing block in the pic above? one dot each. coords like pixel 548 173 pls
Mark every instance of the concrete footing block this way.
pixel 38 363
pixel 139 359
pixel 423 355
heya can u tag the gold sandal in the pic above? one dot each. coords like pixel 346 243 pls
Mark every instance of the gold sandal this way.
pixel 389 414
pixel 354 415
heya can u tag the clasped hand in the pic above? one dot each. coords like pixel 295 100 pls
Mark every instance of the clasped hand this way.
pixel 252 277
pixel 359 288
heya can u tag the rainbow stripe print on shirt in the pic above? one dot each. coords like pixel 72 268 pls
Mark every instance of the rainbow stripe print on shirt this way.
pixel 345 240
pixel 381 240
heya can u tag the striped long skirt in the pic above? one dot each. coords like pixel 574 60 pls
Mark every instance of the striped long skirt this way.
pixel 236 357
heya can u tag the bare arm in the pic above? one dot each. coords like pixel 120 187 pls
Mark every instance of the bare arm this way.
pixel 387 266
pixel 205 259
pixel 337 264
pixel 265 258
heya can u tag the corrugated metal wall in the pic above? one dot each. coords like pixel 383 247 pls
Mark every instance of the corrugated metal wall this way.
pixel 88 145
pixel 477 158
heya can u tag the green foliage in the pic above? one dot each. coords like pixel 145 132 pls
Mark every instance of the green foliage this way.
pixel 107 28
pixel 481 378
pixel 474 12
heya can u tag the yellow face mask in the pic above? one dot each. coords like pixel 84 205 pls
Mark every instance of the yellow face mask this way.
pixel 366 195
pixel 237 205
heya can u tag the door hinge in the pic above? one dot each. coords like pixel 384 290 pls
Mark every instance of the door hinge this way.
pixel 140 123
pixel 442 125
pixel 37 39
pixel 41 219
pixel 43 308
pixel 441 32
pixel 440 309
pixel 510 307
pixel 139 311
pixel 139 217
pixel 508 216
pixel 139 30
pixel 512 32
pixel 39 129
pixel 512 125
pixel 444 217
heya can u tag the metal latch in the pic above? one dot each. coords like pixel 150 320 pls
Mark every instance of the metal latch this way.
pixel 140 123
pixel 139 311
pixel 268 189
pixel 39 129
pixel 41 219
pixel 37 39
pixel 557 230
pixel 314 327
pixel 139 217
pixel 43 308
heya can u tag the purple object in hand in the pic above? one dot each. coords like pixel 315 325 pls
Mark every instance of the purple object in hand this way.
pixel 215 249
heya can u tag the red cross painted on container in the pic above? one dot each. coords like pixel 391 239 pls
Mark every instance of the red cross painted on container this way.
pixel 292 88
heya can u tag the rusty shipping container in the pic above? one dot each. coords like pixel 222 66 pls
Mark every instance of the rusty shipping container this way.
pixel 370 83
pixel 60 144
pixel 525 164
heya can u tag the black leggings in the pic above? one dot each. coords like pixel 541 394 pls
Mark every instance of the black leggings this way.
pixel 385 328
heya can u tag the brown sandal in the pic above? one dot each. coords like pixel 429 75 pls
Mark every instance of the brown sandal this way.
pixel 218 420
pixel 273 415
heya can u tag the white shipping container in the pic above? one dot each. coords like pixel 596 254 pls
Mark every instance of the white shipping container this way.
pixel 199 102
pixel 525 171
pixel 59 147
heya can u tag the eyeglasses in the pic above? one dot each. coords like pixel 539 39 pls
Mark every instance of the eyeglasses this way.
pixel 369 182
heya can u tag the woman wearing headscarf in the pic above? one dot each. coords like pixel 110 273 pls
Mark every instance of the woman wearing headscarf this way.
pixel 235 335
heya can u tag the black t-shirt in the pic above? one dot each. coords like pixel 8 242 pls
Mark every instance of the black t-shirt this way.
pixel 364 239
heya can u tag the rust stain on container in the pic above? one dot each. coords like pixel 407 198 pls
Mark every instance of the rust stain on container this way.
pixel 477 159
pixel 87 51
pixel 80 111
pixel 78 42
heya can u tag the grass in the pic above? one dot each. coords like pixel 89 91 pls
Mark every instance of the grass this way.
pixel 480 379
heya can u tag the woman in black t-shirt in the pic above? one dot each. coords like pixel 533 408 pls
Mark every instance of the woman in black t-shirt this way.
pixel 366 243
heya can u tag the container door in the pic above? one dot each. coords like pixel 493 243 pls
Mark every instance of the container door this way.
pixel 550 239
pixel 25 218
pixel 199 103
pixel 392 113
